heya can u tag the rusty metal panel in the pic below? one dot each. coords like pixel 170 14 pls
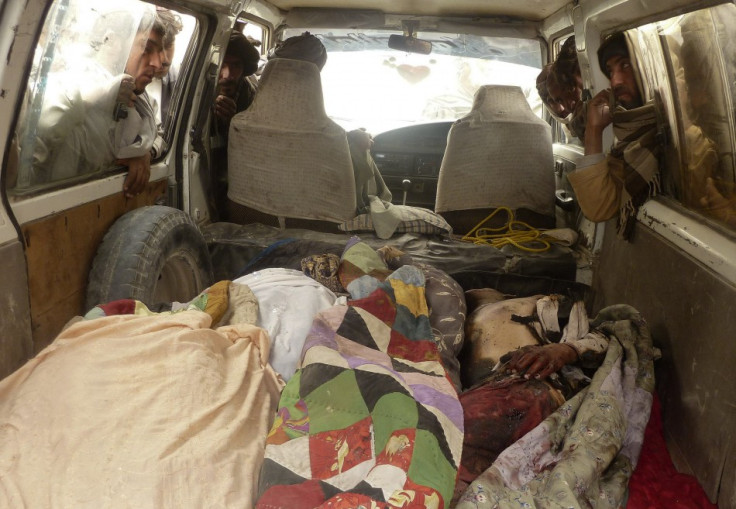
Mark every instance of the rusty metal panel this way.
pixel 691 312
pixel 16 344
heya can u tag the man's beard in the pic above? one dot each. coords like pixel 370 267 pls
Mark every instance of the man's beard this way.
pixel 629 104
pixel 228 88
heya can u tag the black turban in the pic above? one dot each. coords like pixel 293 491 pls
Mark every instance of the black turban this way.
pixel 302 47
pixel 613 46
pixel 241 47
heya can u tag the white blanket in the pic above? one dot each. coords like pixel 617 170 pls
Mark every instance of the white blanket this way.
pixel 287 303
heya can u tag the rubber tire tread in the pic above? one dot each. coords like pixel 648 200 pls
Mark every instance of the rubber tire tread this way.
pixel 133 251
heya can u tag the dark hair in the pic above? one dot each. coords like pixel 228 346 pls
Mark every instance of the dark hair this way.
pixel 568 50
pixel 613 46
pixel 305 47
pixel 172 25
pixel 241 47
pixel 542 83
pixel 566 69
pixel 151 22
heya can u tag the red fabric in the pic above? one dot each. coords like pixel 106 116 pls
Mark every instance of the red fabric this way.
pixel 496 415
pixel 655 482
pixel 337 451
pixel 351 501
pixel 307 494
pixel 379 304
pixel 413 350
pixel 118 307
pixel 399 449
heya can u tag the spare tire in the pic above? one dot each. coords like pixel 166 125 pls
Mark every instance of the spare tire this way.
pixel 153 254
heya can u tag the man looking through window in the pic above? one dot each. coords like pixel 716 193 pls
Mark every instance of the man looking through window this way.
pixel 94 117
pixel 629 175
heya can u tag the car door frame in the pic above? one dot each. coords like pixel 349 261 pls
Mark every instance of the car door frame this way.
pixel 679 271
pixel 48 240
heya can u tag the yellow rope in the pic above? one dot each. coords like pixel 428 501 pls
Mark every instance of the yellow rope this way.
pixel 516 233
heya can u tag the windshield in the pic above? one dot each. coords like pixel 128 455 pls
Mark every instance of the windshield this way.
pixel 368 85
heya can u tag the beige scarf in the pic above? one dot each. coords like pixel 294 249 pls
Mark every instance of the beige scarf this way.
pixel 635 160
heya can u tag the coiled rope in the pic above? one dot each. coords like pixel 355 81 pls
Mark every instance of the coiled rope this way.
pixel 515 233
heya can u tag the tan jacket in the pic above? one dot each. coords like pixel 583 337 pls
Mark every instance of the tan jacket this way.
pixel 598 189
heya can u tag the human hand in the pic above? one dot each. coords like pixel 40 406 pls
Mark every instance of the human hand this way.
pixel 225 108
pixel 599 117
pixel 126 97
pixel 539 361
pixel 599 110
pixel 139 172
pixel 126 93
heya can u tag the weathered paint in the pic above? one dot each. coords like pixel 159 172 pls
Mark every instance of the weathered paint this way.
pixel 58 277
pixel 16 343
pixel 690 311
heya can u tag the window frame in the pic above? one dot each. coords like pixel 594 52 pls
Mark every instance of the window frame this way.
pixel 676 165
pixel 696 234
pixel 18 195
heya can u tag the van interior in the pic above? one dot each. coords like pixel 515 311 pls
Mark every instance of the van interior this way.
pixel 136 330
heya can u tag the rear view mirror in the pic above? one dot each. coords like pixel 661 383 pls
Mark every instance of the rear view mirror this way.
pixel 410 44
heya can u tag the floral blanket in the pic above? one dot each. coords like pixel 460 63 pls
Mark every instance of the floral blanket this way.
pixel 371 418
pixel 585 452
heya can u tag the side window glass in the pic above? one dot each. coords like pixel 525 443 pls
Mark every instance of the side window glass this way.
pixel 257 35
pixel 95 92
pixel 701 47
pixel 252 30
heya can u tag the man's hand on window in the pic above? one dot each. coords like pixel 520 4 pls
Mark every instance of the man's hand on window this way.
pixel 126 97
pixel 139 172
pixel 599 117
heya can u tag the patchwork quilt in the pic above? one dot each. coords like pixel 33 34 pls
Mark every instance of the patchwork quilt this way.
pixel 371 418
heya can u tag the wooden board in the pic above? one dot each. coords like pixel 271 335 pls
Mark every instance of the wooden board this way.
pixel 59 253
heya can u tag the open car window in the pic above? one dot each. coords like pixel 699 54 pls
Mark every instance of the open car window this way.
pixel 368 85
pixel 101 74
pixel 699 48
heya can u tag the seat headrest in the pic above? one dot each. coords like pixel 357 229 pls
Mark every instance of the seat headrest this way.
pixel 499 155
pixel 498 103
pixel 286 82
pixel 286 157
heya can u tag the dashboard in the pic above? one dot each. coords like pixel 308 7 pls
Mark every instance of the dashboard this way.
pixel 409 159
